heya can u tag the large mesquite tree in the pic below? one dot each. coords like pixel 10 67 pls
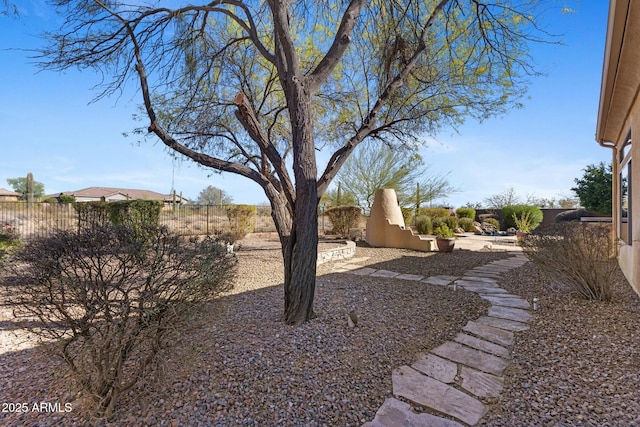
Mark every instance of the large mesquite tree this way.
pixel 257 88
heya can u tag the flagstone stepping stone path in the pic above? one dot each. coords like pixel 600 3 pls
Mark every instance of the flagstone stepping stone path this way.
pixel 451 385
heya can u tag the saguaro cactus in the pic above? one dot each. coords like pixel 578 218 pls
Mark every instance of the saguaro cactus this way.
pixel 29 188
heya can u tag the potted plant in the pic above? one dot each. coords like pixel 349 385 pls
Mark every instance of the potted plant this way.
pixel 444 238
pixel 524 224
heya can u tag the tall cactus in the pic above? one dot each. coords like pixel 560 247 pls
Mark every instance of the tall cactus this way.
pixel 29 188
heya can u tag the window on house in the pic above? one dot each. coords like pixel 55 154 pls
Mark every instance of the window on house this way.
pixel 625 191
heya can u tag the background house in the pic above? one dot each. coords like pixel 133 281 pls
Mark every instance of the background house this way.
pixel 618 122
pixel 8 195
pixel 109 194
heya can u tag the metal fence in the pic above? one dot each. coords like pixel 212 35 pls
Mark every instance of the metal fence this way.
pixel 39 219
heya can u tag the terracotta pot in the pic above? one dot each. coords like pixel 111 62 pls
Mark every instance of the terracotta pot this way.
pixel 445 244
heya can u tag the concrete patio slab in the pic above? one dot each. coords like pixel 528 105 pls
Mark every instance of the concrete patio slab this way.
pixel 479 279
pixel 395 413
pixel 480 344
pixel 436 367
pixel 437 281
pixel 481 384
pixel 509 325
pixel 471 357
pixel 426 391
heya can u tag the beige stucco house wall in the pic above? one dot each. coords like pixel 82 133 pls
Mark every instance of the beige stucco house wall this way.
pixel 618 124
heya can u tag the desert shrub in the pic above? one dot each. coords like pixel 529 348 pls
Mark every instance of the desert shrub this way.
pixel 438 221
pixel 483 217
pixel 451 221
pixel 107 302
pixel 8 236
pixel 424 224
pixel 443 231
pixel 434 212
pixel 493 222
pixel 577 254
pixel 242 219
pixel 65 198
pixel 343 218
pixel 466 223
pixel 511 212
pixel 407 215
pixel 466 213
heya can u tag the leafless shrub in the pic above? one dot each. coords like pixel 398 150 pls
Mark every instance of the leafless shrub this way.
pixel 343 218
pixel 577 254
pixel 109 296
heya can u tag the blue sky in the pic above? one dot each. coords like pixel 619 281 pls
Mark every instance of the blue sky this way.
pixel 50 128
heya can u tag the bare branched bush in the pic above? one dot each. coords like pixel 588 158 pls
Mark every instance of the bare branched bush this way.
pixel 108 298
pixel 577 254
pixel 343 218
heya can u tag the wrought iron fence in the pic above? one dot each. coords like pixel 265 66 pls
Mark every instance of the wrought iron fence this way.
pixel 39 219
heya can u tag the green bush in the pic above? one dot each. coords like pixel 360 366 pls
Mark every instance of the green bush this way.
pixel 493 222
pixel 407 215
pixel 466 213
pixel 451 221
pixel 424 224
pixel 510 212
pixel 438 221
pixel 343 218
pixel 443 231
pixel 466 223
pixel 242 219
pixel 8 236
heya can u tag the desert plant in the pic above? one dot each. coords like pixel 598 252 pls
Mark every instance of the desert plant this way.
pixel 242 219
pixel 443 231
pixel 466 223
pixel 466 212
pixel 407 215
pixel 108 302
pixel 533 213
pixel 578 255
pixel 523 222
pixel 343 218
pixel 451 221
pixel 8 236
pixel 424 224
pixel 434 212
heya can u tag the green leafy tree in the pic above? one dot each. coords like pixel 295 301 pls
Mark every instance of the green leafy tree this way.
pixel 20 185
pixel 595 187
pixel 214 196
pixel 257 88
pixel 372 167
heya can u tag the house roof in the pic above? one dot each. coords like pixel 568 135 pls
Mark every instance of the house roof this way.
pixel 5 192
pixel 621 70
pixel 107 192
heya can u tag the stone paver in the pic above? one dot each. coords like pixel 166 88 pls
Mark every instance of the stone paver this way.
pixel 384 273
pixel 438 281
pixel 480 344
pixel 436 367
pixel 507 301
pixel 509 313
pixel 481 384
pixel 418 388
pixel 490 333
pixel 413 277
pixel 482 361
pixel 364 271
pixel 509 325
pixel 395 413
pixel 447 379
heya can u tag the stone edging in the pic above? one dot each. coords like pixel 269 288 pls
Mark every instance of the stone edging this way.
pixel 459 378
pixel 337 253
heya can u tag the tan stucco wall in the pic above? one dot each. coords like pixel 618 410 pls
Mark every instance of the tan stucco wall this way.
pixel 386 228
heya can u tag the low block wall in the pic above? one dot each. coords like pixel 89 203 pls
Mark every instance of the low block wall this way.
pixel 339 253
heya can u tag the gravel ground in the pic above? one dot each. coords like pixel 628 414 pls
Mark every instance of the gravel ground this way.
pixel 578 365
pixel 239 365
